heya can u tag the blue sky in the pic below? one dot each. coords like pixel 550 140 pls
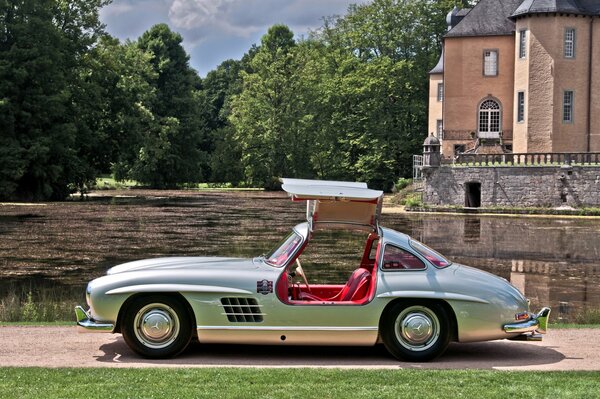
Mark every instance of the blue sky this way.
pixel 216 30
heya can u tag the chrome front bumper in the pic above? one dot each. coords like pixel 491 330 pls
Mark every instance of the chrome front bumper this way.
pixel 532 328
pixel 86 324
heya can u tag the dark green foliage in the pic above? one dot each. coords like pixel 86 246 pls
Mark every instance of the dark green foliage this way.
pixel 173 149
pixel 220 85
pixel 120 113
pixel 43 45
pixel 269 114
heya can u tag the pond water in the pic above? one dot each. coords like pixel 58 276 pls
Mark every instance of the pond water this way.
pixel 61 246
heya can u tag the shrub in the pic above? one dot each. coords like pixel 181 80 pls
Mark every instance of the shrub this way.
pixel 588 316
pixel 401 184
pixel 413 200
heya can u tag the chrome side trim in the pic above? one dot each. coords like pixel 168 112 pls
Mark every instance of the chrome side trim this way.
pixel 176 288
pixel 431 295
pixel 86 324
pixel 537 323
pixel 284 335
pixel 286 328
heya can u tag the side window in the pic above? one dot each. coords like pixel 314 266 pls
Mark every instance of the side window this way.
pixel 395 258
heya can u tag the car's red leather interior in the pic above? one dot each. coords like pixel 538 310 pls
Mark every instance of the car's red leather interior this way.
pixel 355 289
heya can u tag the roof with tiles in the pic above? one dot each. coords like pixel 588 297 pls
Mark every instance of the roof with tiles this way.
pixel 496 17
pixel 575 7
pixel 487 18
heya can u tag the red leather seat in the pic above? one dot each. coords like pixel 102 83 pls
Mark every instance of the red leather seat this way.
pixel 356 287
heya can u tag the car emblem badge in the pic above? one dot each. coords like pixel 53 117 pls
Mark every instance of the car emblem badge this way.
pixel 264 287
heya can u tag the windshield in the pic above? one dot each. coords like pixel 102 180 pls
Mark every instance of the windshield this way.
pixel 284 250
pixel 429 254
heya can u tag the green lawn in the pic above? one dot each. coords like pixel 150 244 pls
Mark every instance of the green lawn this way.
pixel 20 383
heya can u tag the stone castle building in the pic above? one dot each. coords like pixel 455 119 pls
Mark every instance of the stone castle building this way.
pixel 519 76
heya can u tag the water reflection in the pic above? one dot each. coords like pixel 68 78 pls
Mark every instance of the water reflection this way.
pixel 63 245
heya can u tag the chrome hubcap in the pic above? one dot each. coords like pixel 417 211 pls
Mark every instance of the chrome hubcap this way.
pixel 156 325
pixel 417 328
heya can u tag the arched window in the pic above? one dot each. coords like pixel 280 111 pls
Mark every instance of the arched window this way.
pixel 489 118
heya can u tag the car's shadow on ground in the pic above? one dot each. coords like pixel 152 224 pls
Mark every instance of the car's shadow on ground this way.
pixel 484 355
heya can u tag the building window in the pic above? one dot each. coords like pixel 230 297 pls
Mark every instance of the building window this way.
pixel 490 63
pixel 523 43
pixel 439 127
pixel 521 106
pixel 440 92
pixel 489 117
pixel 568 106
pixel 570 43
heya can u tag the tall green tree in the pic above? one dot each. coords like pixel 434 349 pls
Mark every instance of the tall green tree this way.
pixel 116 108
pixel 42 45
pixel 269 114
pixel 173 150
pixel 220 85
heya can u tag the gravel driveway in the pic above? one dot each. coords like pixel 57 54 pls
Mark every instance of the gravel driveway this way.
pixel 566 349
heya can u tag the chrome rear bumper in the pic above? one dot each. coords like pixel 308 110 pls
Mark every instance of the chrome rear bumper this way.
pixel 86 324
pixel 535 325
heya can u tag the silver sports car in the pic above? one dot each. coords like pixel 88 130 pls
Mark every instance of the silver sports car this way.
pixel 402 293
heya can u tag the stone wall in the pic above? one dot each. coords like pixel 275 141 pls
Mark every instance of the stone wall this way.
pixel 514 186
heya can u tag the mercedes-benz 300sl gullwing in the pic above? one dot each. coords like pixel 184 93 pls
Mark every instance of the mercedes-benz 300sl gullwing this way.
pixel 400 293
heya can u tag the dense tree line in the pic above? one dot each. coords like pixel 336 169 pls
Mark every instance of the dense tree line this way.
pixel 348 102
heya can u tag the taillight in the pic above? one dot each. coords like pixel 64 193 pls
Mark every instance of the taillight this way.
pixel 522 316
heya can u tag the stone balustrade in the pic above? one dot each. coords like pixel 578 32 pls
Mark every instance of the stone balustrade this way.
pixel 528 159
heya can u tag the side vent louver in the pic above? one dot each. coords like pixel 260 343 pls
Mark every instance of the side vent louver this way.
pixel 242 310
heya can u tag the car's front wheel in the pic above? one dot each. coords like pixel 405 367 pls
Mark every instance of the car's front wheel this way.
pixel 157 326
pixel 415 331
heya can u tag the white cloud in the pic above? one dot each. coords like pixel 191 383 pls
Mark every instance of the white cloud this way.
pixel 206 17
pixel 116 9
pixel 203 19
pixel 216 30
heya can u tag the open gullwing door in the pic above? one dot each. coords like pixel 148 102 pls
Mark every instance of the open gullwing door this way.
pixel 336 203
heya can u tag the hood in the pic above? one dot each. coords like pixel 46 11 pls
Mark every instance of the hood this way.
pixel 185 263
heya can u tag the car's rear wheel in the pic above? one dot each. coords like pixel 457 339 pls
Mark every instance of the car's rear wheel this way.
pixel 157 326
pixel 415 331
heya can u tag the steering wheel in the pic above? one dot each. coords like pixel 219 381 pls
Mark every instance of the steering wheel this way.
pixel 300 272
